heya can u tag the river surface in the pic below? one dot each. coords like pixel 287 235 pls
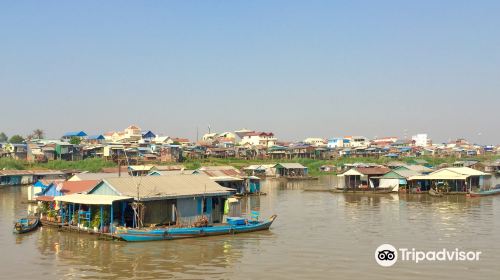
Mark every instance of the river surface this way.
pixel 318 235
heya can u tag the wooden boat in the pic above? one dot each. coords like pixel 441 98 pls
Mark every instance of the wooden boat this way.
pixel 485 192
pixel 234 226
pixel 26 224
pixel 363 190
pixel 432 192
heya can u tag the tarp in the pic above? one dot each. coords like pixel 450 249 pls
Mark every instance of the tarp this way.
pixel 90 199
pixel 389 183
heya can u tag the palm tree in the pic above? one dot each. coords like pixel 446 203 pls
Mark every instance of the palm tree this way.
pixel 38 133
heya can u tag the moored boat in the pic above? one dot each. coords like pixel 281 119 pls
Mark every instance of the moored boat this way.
pixel 26 224
pixel 234 226
pixel 432 192
pixel 484 192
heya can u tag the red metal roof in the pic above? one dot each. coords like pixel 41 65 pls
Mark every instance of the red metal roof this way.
pixel 70 187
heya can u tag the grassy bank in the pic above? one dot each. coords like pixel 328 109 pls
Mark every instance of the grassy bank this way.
pixel 92 165
pixel 96 165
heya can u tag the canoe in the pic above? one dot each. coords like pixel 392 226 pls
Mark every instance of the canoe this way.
pixel 485 193
pixel 435 193
pixel 26 224
pixel 157 234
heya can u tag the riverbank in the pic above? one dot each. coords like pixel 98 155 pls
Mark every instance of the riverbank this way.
pixel 97 164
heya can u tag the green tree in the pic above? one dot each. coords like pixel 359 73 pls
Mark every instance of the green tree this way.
pixel 75 140
pixel 3 137
pixel 16 139
pixel 176 143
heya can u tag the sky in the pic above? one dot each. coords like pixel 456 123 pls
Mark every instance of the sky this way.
pixel 296 68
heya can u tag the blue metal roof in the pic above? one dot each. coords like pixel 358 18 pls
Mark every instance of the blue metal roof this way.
pixel 96 137
pixel 148 134
pixel 75 134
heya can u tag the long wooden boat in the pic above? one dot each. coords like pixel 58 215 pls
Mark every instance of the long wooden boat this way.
pixel 26 224
pixel 432 192
pixel 363 190
pixel 485 193
pixel 156 234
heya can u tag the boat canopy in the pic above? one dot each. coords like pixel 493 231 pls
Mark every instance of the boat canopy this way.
pixel 91 199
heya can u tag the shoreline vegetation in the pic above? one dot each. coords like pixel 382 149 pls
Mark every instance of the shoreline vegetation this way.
pixel 97 164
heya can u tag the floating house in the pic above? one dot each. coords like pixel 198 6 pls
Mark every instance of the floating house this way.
pixel 417 168
pixel 15 177
pixel 290 170
pixel 395 179
pixel 172 172
pixel 97 176
pixel 38 187
pixel 140 170
pixel 60 188
pixel 451 180
pixel 255 170
pixel 176 199
pixel 359 177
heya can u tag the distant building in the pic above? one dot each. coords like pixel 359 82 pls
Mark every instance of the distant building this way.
pixel 78 134
pixel 358 141
pixel 253 138
pixel 385 141
pixel 421 140
pixel 338 143
pixel 131 134
pixel 317 142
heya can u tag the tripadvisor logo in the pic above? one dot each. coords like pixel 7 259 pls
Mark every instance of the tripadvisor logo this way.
pixel 387 255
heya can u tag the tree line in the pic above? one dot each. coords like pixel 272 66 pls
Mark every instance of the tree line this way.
pixel 18 139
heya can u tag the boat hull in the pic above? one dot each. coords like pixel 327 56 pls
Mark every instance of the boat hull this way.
pixel 133 235
pixel 485 193
pixel 28 225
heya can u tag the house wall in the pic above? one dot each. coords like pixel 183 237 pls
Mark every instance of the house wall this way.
pixel 103 189
pixel 159 211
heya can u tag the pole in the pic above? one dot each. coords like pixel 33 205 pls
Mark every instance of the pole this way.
pixel 111 220
pixel 101 225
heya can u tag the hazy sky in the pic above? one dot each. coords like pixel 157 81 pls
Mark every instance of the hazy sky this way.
pixel 305 68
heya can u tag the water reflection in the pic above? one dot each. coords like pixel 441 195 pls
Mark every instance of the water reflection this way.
pixel 317 235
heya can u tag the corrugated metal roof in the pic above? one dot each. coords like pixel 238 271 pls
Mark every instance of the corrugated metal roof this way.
pixel 70 187
pixel 218 171
pixel 452 173
pixel 291 165
pixel 96 176
pixel 90 199
pixel 172 186
pixel 373 170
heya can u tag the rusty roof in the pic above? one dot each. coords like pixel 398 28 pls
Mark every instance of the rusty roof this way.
pixel 373 170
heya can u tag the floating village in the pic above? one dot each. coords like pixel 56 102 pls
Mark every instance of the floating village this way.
pixel 150 195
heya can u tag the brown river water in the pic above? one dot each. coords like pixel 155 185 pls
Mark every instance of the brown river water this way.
pixel 318 235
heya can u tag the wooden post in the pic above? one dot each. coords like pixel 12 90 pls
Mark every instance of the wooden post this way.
pixel 111 219
pixel 79 209
pixel 124 205
pixel 101 225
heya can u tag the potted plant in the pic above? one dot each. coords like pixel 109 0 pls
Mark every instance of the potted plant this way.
pixel 51 215
pixel 44 209
pixel 96 221
pixel 86 225
pixel 74 220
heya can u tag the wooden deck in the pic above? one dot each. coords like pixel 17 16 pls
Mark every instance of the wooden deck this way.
pixel 70 228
